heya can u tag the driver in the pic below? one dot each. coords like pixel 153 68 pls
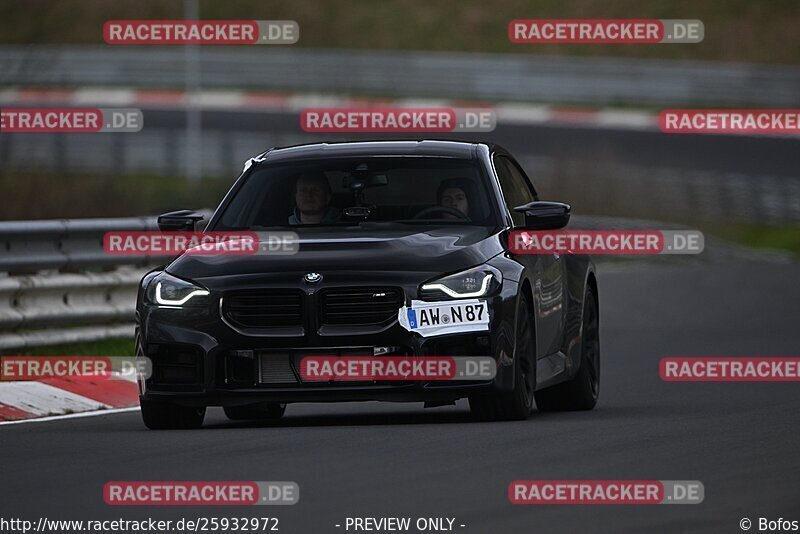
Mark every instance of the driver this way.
pixel 452 193
pixel 312 194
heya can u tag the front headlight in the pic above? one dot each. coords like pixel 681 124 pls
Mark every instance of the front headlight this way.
pixel 477 282
pixel 167 290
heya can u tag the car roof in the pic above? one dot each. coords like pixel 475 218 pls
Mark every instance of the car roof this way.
pixel 430 147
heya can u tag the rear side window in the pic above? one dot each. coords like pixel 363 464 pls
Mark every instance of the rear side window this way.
pixel 516 190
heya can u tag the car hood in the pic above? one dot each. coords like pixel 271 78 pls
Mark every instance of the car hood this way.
pixel 441 249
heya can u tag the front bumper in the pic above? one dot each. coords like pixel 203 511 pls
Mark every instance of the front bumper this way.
pixel 201 360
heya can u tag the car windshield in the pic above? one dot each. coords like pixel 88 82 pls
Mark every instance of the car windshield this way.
pixel 353 191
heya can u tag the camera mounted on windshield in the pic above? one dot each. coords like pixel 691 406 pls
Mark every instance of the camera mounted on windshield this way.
pixel 357 182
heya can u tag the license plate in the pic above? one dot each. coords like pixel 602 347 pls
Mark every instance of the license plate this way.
pixel 431 318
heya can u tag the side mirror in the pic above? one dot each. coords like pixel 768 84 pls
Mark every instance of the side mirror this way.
pixel 543 215
pixel 179 221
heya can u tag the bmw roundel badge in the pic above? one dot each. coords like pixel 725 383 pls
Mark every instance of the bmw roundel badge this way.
pixel 312 278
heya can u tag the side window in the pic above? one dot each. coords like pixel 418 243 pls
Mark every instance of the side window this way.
pixel 516 190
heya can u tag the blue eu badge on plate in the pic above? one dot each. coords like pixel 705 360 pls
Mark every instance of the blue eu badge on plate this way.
pixel 412 318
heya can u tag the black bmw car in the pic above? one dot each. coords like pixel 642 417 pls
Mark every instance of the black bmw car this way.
pixel 384 229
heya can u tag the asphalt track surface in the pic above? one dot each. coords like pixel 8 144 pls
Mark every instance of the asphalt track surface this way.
pixel 399 460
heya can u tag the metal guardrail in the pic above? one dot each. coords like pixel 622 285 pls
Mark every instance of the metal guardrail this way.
pixel 30 246
pixel 50 309
pixel 58 299
pixel 57 284
pixel 479 76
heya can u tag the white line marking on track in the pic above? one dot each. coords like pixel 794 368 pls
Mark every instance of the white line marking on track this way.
pixel 42 399
pixel 71 416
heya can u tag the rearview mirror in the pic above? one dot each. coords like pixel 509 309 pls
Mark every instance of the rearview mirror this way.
pixel 360 183
pixel 543 215
pixel 179 221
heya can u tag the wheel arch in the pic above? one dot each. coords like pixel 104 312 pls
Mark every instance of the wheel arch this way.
pixel 590 283
pixel 526 294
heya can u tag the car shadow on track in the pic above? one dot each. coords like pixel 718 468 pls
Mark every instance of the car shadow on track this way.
pixel 449 416
pixel 352 419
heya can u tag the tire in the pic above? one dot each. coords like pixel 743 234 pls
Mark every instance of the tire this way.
pixel 264 411
pixel 514 405
pixel 168 416
pixel 582 391
pixel 138 352
pixel 165 415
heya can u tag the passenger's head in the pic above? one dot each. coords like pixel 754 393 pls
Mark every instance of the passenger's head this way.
pixel 312 194
pixel 454 193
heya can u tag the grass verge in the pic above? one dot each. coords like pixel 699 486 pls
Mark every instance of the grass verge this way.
pixel 735 30
pixel 759 236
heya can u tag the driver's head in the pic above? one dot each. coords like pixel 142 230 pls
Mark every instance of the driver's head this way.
pixel 453 194
pixel 312 194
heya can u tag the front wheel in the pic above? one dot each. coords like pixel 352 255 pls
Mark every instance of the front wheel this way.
pixel 582 391
pixel 168 416
pixel 514 405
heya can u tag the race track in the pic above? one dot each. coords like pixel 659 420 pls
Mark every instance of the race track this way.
pixel 773 155
pixel 374 460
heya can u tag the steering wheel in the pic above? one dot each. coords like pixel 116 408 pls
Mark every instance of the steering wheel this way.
pixel 441 209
